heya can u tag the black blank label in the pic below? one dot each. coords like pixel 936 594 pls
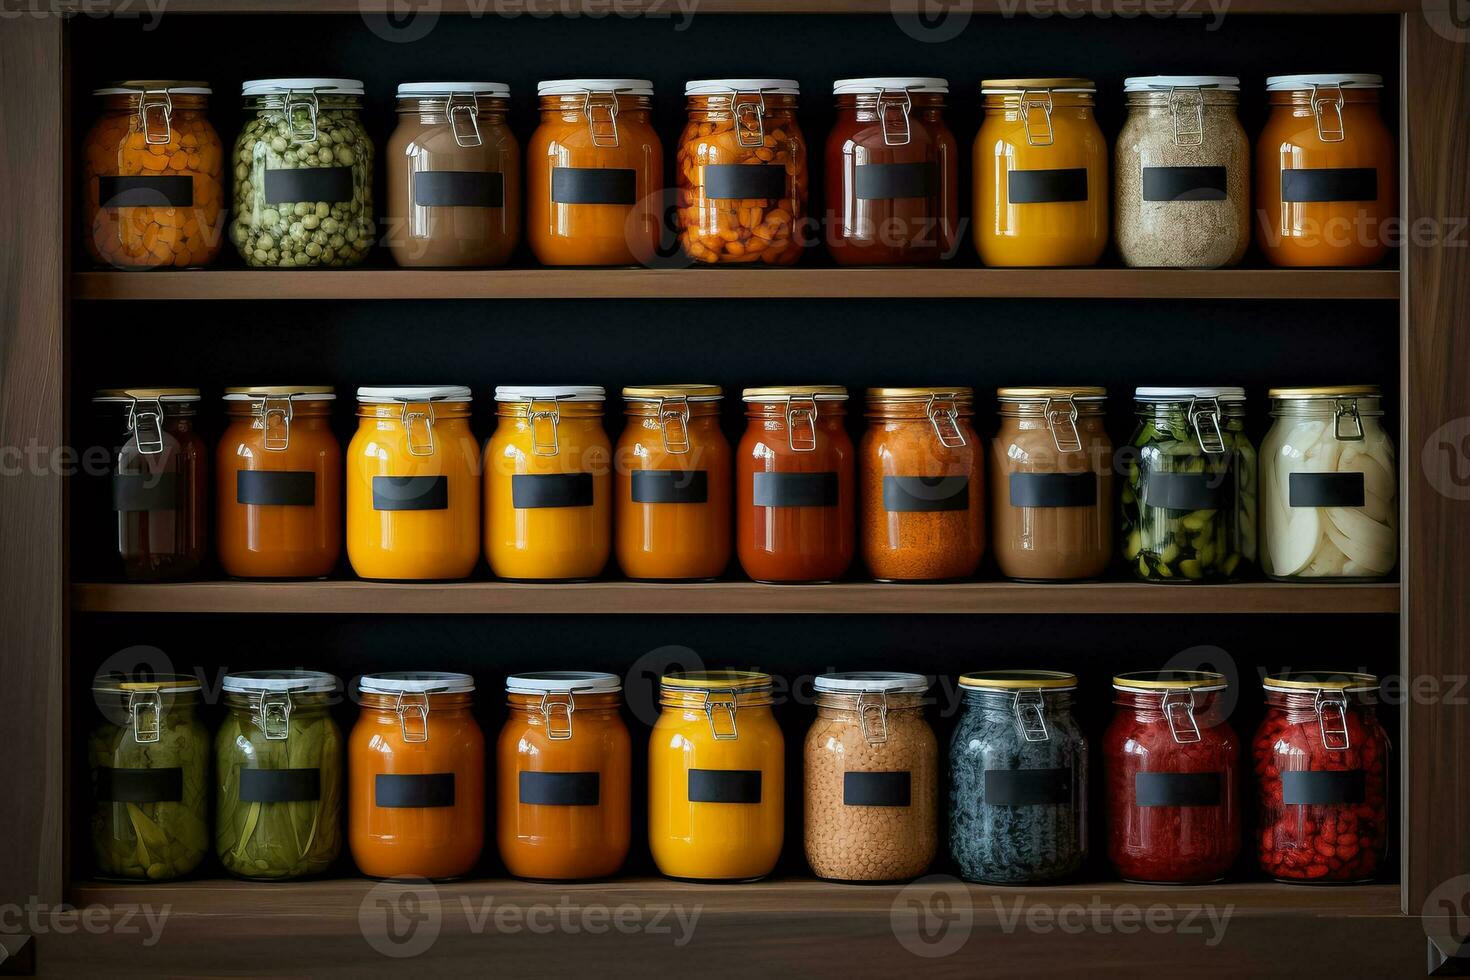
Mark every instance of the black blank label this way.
pixel 410 493
pixel 1184 183
pixel 1028 787
pixel 876 788
pixel 429 790
pixel 739 181
pixel 724 786
pixel 310 184
pixel 280 785
pixel 1324 184
pixel 560 788
pixel 670 487
pixel 910 494
pixel 1323 787
pixel 459 189
pixel 593 185
pixel 1325 490
pixel 1046 186
pixel 172 191
pixel 795 490
pixel 140 785
pixel 292 488
pixel 892 181
pixel 1177 788
pixel 1181 491
pixel 534 490
pixel 148 492
pixel 1053 489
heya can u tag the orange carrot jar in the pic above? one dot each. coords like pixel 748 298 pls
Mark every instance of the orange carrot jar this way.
pixel 280 484
pixel 151 177
pixel 673 484
pixel 564 783
pixel 1325 183
pixel 794 493
pixel 416 776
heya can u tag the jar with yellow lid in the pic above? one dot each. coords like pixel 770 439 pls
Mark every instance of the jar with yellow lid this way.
pixel 673 484
pixel 413 484
pixel 1041 174
pixel 548 484
pixel 716 771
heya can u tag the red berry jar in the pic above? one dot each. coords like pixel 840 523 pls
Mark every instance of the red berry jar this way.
pixel 1321 759
pixel 1170 759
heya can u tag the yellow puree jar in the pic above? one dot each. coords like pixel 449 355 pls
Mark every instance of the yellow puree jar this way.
pixel 548 484
pixel 413 484
pixel 1041 174
pixel 716 771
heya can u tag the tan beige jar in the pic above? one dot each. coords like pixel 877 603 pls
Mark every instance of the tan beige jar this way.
pixel 872 778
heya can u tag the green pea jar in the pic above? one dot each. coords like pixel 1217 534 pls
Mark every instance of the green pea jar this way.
pixel 149 766
pixel 278 775
pixel 303 175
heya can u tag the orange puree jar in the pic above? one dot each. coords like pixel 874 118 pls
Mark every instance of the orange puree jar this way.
pixel 416 776
pixel 548 484
pixel 280 484
pixel 594 168
pixel 564 782
pixel 413 484
pixel 1325 184
pixel 673 484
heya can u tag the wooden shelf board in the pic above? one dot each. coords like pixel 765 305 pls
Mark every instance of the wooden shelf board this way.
pixel 729 598
pixel 671 8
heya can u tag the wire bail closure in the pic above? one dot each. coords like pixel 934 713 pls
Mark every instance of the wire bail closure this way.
pixel 1178 708
pixel 146 710
pixel 1346 409
pixel 1030 710
pixel 899 132
pixel 273 714
pixel 147 423
pixel 749 114
pixel 427 418
pixel 1044 136
pixel 1184 101
pixel 311 104
pixel 418 708
pixel 565 701
pixel 1204 416
pixel 601 110
pixel 673 423
pixel 283 411
pixel 1061 419
pixel 728 700
pixel 540 447
pixel 944 413
pixel 161 101
pixel 1332 706
pixel 468 107
pixel 1328 131
pixel 806 418
pixel 868 706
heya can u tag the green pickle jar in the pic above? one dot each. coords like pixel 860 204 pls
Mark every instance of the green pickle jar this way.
pixel 1189 496
pixel 149 765
pixel 278 775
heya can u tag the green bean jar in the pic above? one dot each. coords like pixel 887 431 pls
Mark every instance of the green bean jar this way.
pixel 1189 497
pixel 303 175
pixel 278 775
pixel 149 767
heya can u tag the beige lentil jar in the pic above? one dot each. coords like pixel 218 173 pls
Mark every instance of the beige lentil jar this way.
pixel 872 780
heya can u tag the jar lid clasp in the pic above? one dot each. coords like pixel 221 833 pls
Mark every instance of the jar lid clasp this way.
pixel 673 422
pixel 1061 419
pixel 1187 133
pixel 1030 709
pixel 160 100
pixel 944 413
pixel 147 426
pixel 1029 101
pixel 1330 130
pixel 558 734
pixel 467 107
pixel 1179 709
pixel 1331 706
pixel 899 134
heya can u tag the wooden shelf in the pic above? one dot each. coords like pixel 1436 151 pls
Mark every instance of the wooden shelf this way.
pixel 935 283
pixel 730 598
pixel 669 8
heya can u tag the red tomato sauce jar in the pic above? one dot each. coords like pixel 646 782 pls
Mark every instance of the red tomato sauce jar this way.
pixel 1321 761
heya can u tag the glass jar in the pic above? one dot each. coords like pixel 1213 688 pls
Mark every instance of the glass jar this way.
pixel 1041 174
pixel 594 170
pixel 303 175
pixel 1171 757
pixel 923 478
pixel 416 777
pixel 454 176
pixel 673 484
pixel 1051 484
pixel 1183 173
pixel 413 484
pixel 892 173
pixel 564 775
pixel 742 172
pixel 794 485
pixel 1330 486
pixel 149 764
pixel 278 775
pixel 1325 178
pixel 548 484
pixel 871 778
pixel 1189 506
pixel 279 484
pixel 159 475
pixel 1321 758
pixel 1018 779
pixel 151 177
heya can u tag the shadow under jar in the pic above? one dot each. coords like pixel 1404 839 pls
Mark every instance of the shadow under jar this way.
pixel 1018 779
pixel 1051 484
pixel 158 477
pixel 1173 796
pixel 794 485
pixel 923 485
pixel 892 173
pixel 454 176
pixel 742 173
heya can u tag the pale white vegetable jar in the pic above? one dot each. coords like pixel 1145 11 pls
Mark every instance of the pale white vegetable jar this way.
pixel 1329 486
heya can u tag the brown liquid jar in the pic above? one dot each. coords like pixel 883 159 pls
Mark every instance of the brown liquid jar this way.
pixel 1051 484
pixel 454 176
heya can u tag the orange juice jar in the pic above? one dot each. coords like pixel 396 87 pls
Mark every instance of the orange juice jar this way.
pixel 1325 184
pixel 594 168
pixel 416 776
pixel 548 485
pixel 413 484
pixel 280 483
pixel 565 777
pixel 673 484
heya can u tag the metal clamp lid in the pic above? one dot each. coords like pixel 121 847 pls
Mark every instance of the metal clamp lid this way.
pixel 1178 708
pixel 1330 128
pixel 1045 136
pixel 1187 113
pixel 1061 421
pixel 1029 707
pixel 944 414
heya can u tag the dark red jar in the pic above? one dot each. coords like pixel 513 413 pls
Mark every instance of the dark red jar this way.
pixel 1170 759
pixel 1321 761
pixel 892 173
